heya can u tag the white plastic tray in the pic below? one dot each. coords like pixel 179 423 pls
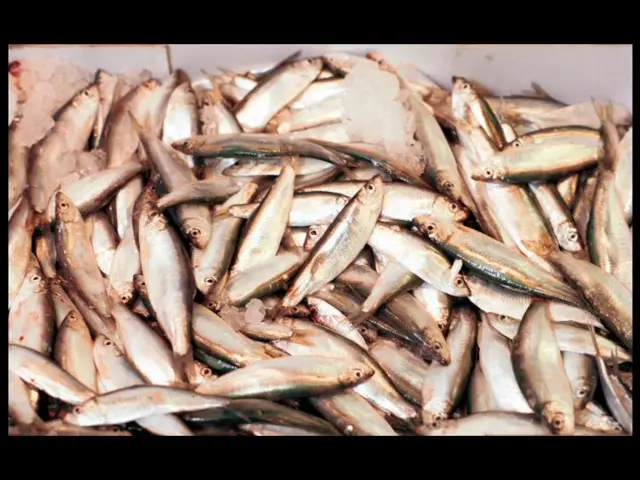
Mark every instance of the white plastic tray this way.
pixel 571 73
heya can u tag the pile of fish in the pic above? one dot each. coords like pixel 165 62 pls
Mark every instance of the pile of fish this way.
pixel 199 260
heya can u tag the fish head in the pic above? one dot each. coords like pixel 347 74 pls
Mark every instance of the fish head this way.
pixel 314 234
pixel 435 347
pixel 66 211
pixel 197 230
pixel 582 391
pixel 462 94
pixel 569 237
pixel 188 145
pixel 355 375
pixel 104 348
pixel 502 324
pixel 490 171
pixel 371 190
pixel 558 418
pixel 447 208
pixel 434 413
pixel 35 280
pixel 123 292
pixel 140 284
pixel 74 321
pixel 205 279
pixel 85 103
pixel 369 334
pixel 85 415
pixel 436 229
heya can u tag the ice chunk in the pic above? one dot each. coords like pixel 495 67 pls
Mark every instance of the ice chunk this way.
pixel 45 83
pixel 375 112
pixel 255 311
pixel 233 316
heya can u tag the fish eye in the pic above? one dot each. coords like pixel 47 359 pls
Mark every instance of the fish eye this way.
pixel 448 185
pixel 108 343
pixel 437 420
pixel 466 86
pixel 206 372
pixel 371 187
pixel 210 305
pixel 313 232
pixel 35 278
pixel 502 318
pixel 581 392
pixel 358 373
pixel 453 207
pixel 557 423
pixel 86 93
pixel 431 227
pixel 124 298
pixel 64 204
pixel 488 172
pixel 573 237
pixel 208 280
pixel 77 410
pixel 516 143
pixel 195 232
pixel 459 281
pixel 437 346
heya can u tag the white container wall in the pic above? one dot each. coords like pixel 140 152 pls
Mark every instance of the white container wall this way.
pixel 571 73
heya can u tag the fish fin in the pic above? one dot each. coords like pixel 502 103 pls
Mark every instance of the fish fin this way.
pixel 542 93
pixel 594 339
pixel 357 318
pixel 288 243
pixel 273 351
pixel 609 134
pixel 137 127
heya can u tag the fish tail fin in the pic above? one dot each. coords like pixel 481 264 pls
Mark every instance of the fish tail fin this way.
pixel 594 339
pixel 609 133
pixel 187 368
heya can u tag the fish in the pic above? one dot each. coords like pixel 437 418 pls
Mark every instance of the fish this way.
pixel 169 280
pixel 70 133
pixel 73 350
pixel 405 370
pixel 608 236
pixel 194 220
pixel 115 373
pixel 74 253
pixel 402 202
pixel 443 385
pixel 493 260
pixel 340 244
pixel 606 296
pixel 211 263
pixel 539 368
pixel 21 229
pixel 289 377
pixel 312 339
pixel 38 370
pixel 616 396
pixel 136 402
pixel 274 92
pixel 570 337
pixel 352 415
pixel 264 230
pixel 306 209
